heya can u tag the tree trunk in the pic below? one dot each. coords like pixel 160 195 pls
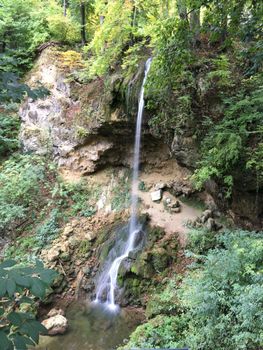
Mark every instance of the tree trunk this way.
pixel 65 8
pixel 101 20
pixel 195 25
pixel 83 23
pixel 182 9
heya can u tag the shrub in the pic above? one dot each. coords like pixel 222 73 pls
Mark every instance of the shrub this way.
pixel 20 285
pixel 22 180
pixel 9 129
pixel 223 297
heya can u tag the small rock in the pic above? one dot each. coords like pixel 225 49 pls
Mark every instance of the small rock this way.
pixel 90 236
pixel 67 231
pixel 211 225
pixel 206 215
pixel 167 200
pixel 160 186
pixel 53 254
pixel 54 312
pixel 176 210
pixel 57 324
pixel 86 270
pixel 108 209
pixel 174 204
pixel 156 195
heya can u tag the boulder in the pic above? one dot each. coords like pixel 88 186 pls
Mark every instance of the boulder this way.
pixel 55 325
pixel 156 195
pixel 54 312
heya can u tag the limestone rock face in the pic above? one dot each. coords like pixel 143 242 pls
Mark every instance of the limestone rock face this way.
pixel 84 127
pixel 55 325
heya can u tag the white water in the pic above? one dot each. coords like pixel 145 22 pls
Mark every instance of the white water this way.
pixel 108 279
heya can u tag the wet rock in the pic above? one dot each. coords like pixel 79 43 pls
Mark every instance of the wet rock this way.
pixel 55 325
pixel 156 195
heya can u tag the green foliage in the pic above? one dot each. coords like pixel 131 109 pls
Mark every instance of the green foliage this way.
pixel 225 145
pixel 220 76
pixel 63 28
pixel 25 249
pixel 121 193
pixel 22 29
pixel 9 129
pixel 110 38
pixel 201 241
pixel 20 285
pixel 163 302
pixel 11 90
pixel 217 305
pixel 223 297
pixel 159 332
pixel 48 230
pixel 22 178
pixel 170 81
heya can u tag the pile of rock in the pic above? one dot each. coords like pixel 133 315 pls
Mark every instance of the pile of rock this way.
pixel 172 205
pixel 207 220
pixel 157 194
pixel 56 322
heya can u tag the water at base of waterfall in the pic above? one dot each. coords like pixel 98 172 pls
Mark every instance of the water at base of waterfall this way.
pixel 107 283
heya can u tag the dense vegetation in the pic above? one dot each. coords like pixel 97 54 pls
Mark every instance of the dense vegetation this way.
pixel 205 82
pixel 217 305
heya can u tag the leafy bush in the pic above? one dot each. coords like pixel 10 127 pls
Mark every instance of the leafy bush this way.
pixel 19 286
pixel 225 145
pixel 63 28
pixel 48 230
pixel 22 179
pixel 218 304
pixel 201 241
pixel 163 302
pixel 9 129
pixel 159 332
pixel 24 249
pixel 223 298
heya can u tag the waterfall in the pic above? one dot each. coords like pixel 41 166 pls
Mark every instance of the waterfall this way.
pixel 108 279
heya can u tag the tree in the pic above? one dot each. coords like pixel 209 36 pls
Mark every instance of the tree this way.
pixel 83 22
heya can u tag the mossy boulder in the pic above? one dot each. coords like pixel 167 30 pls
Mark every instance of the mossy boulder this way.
pixel 160 259
pixel 142 266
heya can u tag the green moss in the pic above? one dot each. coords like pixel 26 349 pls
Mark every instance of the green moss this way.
pixel 83 248
pixel 160 259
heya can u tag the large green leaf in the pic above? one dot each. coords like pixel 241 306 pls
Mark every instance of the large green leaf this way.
pixel 2 287
pixel 10 287
pixel 20 342
pixel 23 281
pixel 38 288
pixel 7 263
pixel 5 343
pixel 48 276
pixel 15 318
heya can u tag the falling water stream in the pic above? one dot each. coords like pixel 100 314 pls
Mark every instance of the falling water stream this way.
pixel 108 279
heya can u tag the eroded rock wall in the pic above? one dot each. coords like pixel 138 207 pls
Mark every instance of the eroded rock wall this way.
pixel 84 127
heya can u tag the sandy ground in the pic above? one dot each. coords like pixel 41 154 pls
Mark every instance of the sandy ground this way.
pixel 172 223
